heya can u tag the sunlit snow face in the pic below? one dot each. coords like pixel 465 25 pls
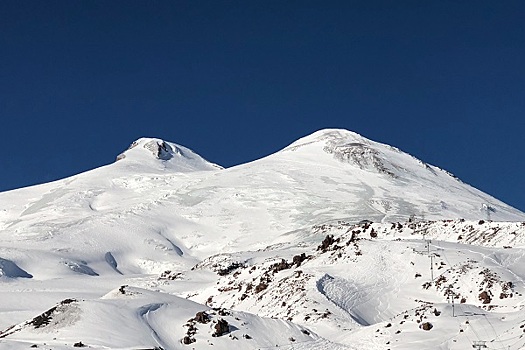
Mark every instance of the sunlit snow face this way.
pixel 149 242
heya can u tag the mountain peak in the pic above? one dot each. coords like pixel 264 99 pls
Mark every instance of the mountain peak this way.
pixel 325 135
pixel 157 152
pixel 349 147
pixel 160 149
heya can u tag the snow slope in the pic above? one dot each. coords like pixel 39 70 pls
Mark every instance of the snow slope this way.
pixel 127 318
pixel 173 226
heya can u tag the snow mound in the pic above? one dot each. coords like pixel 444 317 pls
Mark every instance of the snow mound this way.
pixel 80 267
pixel 11 270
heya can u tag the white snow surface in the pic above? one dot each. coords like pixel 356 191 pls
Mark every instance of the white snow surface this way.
pixel 325 244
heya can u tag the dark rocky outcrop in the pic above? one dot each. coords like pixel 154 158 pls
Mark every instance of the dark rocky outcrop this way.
pixel 221 327
pixel 202 317
pixel 298 259
pixel 484 297
pixel 426 326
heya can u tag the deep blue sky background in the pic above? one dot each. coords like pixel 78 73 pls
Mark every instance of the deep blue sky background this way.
pixel 238 80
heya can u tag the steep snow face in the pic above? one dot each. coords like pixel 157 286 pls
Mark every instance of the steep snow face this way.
pixel 157 153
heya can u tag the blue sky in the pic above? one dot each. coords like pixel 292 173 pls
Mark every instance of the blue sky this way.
pixel 238 80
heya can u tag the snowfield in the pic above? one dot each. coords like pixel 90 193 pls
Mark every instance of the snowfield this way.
pixel 334 242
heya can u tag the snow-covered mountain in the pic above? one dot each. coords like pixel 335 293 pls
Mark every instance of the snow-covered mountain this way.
pixel 147 154
pixel 315 246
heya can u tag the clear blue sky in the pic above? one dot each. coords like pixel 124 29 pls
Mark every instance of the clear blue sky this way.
pixel 238 80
